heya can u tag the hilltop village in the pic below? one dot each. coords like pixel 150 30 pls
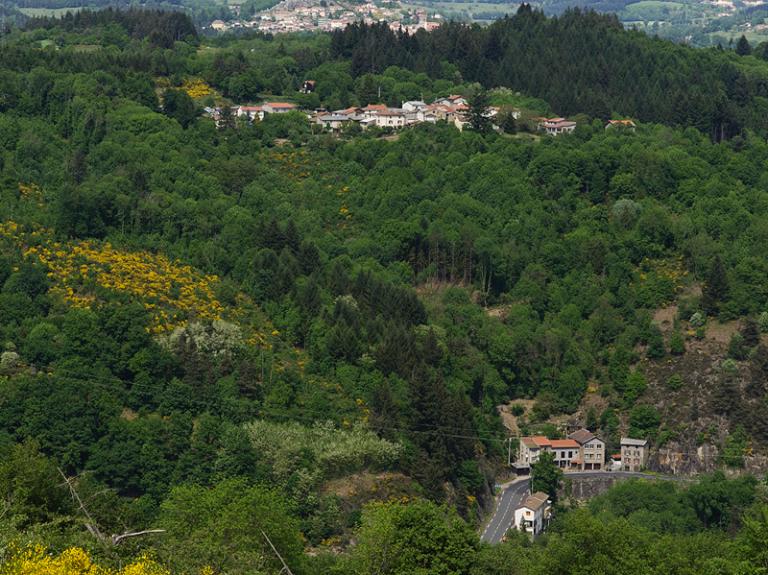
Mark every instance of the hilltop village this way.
pixel 453 109
pixel 328 15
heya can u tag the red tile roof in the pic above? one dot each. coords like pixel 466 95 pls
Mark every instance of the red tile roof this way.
pixel 376 107
pixel 564 444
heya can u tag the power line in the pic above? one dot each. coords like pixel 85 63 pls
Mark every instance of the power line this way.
pixel 431 429
pixel 440 430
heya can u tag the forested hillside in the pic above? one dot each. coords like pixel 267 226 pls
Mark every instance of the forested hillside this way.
pixel 211 332
pixel 579 63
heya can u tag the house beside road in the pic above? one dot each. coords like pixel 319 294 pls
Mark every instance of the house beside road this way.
pixel 634 454
pixel 533 515
pixel 591 450
pixel 580 451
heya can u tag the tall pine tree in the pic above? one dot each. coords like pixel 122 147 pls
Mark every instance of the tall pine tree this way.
pixel 716 289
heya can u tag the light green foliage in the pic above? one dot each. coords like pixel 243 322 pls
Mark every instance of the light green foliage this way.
pixel 217 338
pixel 222 527
pixel 675 382
pixel 763 321
pixel 735 448
pixel 698 319
pixel 415 538
pixel 321 450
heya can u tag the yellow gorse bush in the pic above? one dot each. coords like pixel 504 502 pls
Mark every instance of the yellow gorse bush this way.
pixel 196 88
pixel 172 292
pixel 73 561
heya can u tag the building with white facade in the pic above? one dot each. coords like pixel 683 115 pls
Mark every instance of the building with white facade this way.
pixel 533 515
pixel 557 126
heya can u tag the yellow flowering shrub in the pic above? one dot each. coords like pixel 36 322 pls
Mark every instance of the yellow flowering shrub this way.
pixel 295 165
pixel 73 561
pixel 196 88
pixel 31 192
pixel 172 292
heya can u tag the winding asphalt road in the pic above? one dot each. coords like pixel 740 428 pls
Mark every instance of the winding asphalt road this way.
pixel 514 493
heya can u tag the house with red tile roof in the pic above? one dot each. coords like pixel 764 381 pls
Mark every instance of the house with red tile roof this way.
pixel 557 126
pixel 374 109
pixel 625 124
pixel 564 450
pixel 452 100
pixel 278 107
pixel 581 450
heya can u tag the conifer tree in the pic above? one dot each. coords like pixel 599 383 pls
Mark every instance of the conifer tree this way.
pixel 750 332
pixel 716 289
pixel 478 110
pixel 742 46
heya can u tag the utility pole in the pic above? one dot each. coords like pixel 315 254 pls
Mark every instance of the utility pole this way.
pixel 285 568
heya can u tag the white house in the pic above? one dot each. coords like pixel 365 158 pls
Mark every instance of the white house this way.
pixel 557 126
pixel 634 454
pixel 372 110
pixel 414 106
pixel 391 118
pixel 533 515
pixel 251 112
pixel 277 107
pixel 452 100
pixel 566 451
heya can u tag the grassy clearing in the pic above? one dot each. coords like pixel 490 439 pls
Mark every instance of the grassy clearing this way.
pixel 49 12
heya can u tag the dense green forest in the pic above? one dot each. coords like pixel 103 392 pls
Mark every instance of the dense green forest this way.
pixel 215 331
pixel 579 63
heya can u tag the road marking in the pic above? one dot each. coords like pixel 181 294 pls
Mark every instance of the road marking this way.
pixel 500 514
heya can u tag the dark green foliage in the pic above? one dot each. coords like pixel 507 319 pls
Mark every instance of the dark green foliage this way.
pixel 160 28
pixel 750 332
pixel 736 347
pixel 716 287
pixel 546 476
pixel 644 421
pixel 517 410
pixel 742 46
pixel 179 106
pixel 478 110
pixel 656 349
pixel 676 343
pixel 554 60
pixel 408 285
pixel 719 502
